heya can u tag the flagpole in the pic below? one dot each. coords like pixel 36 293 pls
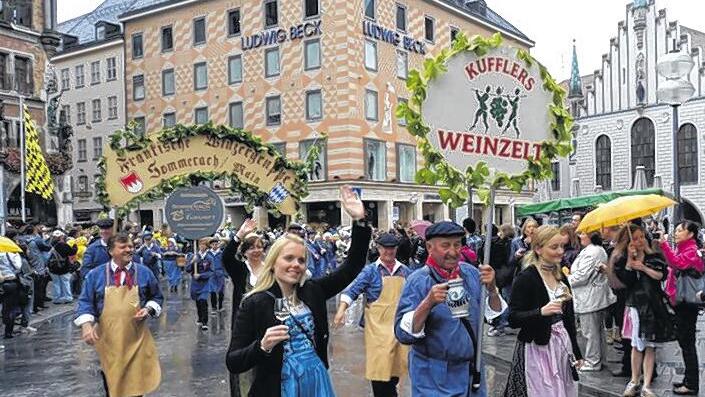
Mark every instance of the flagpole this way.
pixel 23 154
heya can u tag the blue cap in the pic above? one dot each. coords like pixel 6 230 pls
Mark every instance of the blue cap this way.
pixel 147 234
pixel 387 240
pixel 444 229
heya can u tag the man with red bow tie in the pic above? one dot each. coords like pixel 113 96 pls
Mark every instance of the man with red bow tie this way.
pixel 116 299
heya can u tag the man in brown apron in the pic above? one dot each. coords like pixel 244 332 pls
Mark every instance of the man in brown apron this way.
pixel 382 283
pixel 116 299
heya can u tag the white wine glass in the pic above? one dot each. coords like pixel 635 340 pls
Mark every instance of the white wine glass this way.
pixel 281 309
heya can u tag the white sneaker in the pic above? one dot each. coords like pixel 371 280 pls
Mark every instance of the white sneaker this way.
pixel 29 329
pixel 632 390
pixel 204 328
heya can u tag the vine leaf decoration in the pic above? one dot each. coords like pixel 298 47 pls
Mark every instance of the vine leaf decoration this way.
pixel 128 140
pixel 454 182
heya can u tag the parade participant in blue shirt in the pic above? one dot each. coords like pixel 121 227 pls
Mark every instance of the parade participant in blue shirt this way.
pixel 97 252
pixel 172 269
pixel 217 282
pixel 382 283
pixel 117 297
pixel 200 266
pixel 151 253
pixel 439 314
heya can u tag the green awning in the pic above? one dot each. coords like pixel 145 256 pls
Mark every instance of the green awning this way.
pixel 580 202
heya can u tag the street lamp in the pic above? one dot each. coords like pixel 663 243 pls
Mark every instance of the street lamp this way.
pixel 674 91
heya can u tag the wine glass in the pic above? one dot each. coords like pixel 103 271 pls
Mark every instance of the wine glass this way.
pixel 281 309
pixel 563 293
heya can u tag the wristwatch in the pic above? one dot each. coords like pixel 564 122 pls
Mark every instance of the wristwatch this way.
pixel 152 312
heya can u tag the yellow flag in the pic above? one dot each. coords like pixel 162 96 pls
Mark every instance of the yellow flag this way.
pixel 37 173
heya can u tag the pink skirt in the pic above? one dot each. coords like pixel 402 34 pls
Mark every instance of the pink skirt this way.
pixel 547 368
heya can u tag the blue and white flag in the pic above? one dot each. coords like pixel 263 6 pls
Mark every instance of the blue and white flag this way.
pixel 278 194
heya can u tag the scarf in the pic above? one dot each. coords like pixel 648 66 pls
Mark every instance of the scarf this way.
pixel 455 273
pixel 128 277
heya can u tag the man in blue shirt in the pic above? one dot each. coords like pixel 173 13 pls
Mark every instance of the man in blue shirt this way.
pixel 439 316
pixel 97 252
pixel 382 283
pixel 116 296
pixel 150 253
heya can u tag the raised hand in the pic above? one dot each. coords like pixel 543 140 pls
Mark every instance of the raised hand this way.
pixel 249 226
pixel 351 203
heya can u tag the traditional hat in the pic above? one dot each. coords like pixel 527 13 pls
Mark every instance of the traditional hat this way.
pixel 387 240
pixel 444 229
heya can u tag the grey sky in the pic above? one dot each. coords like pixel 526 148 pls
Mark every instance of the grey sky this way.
pixel 552 24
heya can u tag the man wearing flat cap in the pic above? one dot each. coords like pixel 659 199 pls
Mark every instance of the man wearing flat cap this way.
pixel 439 315
pixel 150 253
pixel 382 283
pixel 97 252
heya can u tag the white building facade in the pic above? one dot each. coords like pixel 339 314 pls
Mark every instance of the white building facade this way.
pixel 619 123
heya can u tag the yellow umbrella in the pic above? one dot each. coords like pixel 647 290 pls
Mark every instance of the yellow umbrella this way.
pixel 622 210
pixel 7 245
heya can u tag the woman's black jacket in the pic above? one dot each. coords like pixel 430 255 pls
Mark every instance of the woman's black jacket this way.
pixel 529 295
pixel 256 314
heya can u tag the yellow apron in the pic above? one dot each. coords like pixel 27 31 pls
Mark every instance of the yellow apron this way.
pixel 386 357
pixel 125 346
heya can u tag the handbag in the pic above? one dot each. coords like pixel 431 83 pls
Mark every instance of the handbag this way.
pixel 688 284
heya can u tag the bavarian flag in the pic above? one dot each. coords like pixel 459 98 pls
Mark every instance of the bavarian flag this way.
pixel 39 179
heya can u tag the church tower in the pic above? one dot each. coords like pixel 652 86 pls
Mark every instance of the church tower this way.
pixel 575 86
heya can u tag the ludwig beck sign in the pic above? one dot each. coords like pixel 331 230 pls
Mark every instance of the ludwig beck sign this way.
pixel 491 108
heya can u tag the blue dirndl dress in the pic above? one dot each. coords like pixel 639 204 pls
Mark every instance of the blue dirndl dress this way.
pixel 303 372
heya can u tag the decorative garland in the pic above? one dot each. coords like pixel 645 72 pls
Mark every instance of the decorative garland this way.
pixel 123 141
pixel 58 163
pixel 455 182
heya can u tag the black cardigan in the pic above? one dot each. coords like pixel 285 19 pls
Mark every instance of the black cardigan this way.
pixel 256 314
pixel 529 295
pixel 237 270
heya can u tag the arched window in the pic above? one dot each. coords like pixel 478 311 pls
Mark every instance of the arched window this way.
pixel 603 162
pixel 688 154
pixel 643 148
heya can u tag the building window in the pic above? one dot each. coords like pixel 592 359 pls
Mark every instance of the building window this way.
pixel 100 32
pixel 274 110
pixel 371 110
pixel 370 7
pixel 137 48
pixel 406 163
pixel 95 72
pixel 167 38
pixel 402 65
pixel 138 87
pixel 4 81
pixel 17 12
pixel 318 171
pixel 112 107
pixel 453 34
pixel 312 54
pixel 236 115
pixel 314 105
pixel 97 116
pixel 234 22
pixel 169 119
pixel 603 162
pixel 82 183
pixel 429 28
pixel 140 126
pixel 401 18
pixel 82 151
pixel 375 160
pixel 370 55
pixel 111 69
pixel 200 76
pixel 23 75
pixel 402 120
pixel 235 69
pixel 310 8
pixel 199 31
pixel 688 154
pixel 65 112
pixel 80 78
pixel 168 85
pixel 271 17
pixel 80 113
pixel 200 115
pixel 271 62
pixel 65 79
pixel 643 141
pixel 280 147
pixel 556 178
pixel 97 147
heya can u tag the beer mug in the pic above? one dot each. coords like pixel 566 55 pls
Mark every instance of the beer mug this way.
pixel 457 299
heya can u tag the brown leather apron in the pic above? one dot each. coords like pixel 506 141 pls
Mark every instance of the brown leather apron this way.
pixel 385 356
pixel 125 346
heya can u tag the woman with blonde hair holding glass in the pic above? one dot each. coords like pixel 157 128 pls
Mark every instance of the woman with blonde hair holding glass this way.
pixel 290 355
pixel 547 355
